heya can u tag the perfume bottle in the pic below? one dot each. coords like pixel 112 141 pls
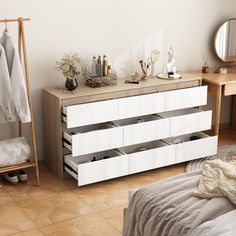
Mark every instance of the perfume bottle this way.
pixel 104 66
pixel 99 66
pixel 94 72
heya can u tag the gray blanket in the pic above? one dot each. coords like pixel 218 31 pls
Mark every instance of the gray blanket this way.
pixel 168 208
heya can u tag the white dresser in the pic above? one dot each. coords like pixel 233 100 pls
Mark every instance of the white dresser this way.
pixel 108 132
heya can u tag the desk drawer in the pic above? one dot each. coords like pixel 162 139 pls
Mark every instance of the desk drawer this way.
pixel 230 89
pixel 141 105
pixel 185 98
pixel 144 129
pixel 88 172
pixel 187 121
pixel 93 138
pixel 90 113
pixel 187 150
pixel 157 155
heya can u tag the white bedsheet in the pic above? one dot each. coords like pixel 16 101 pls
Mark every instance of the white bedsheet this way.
pixel 224 225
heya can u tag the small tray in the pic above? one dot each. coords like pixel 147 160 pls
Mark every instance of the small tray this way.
pixel 95 81
pixel 165 76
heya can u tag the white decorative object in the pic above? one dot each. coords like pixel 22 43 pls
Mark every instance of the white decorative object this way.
pixel 155 56
pixel 171 61
pixel 14 151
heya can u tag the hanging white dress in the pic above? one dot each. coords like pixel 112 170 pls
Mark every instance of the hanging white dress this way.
pixel 7 106
pixel 17 79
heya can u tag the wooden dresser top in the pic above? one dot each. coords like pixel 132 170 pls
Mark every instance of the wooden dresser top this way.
pixel 87 94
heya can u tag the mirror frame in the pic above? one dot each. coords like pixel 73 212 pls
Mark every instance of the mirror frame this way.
pixel 217 31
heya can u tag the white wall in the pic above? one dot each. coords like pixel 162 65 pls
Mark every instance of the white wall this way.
pixel 126 30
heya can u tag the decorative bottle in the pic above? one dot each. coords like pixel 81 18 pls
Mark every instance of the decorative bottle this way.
pixel 104 66
pixel 99 66
pixel 94 72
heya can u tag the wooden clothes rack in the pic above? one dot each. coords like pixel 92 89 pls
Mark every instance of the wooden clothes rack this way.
pixel 22 48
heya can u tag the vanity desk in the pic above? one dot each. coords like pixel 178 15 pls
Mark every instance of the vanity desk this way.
pixel 103 133
pixel 220 85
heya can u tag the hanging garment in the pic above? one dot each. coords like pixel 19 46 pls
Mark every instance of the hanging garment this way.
pixel 7 107
pixel 18 83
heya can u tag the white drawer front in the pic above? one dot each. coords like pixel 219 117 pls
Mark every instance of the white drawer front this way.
pixel 96 141
pixel 141 105
pixel 146 131
pixel 190 123
pixel 196 149
pixel 91 113
pixel 102 170
pixel 151 159
pixel 184 98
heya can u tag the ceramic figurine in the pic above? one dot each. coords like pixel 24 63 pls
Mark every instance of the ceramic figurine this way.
pixel 171 68
pixel 135 76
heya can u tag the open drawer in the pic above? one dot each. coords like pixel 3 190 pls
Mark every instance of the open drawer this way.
pixel 149 156
pixel 185 98
pixel 144 129
pixel 88 171
pixel 93 138
pixel 90 113
pixel 193 146
pixel 187 121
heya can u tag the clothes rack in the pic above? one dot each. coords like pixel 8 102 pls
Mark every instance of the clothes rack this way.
pixel 22 49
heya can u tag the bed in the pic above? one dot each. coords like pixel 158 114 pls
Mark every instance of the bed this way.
pixel 168 208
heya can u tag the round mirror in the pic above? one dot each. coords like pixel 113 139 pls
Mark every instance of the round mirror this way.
pixel 225 41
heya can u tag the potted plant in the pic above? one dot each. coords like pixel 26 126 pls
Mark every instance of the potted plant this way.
pixel 70 67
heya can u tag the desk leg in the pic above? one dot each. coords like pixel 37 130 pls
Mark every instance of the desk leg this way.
pixel 233 116
pixel 218 109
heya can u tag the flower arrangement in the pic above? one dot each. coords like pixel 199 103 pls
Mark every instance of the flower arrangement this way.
pixel 155 56
pixel 69 65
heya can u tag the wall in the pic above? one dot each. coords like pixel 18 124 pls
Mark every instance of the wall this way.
pixel 126 30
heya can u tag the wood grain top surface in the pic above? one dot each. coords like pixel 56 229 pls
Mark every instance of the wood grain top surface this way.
pixel 217 78
pixel 121 87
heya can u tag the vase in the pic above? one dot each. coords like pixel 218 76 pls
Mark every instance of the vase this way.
pixel 154 68
pixel 71 84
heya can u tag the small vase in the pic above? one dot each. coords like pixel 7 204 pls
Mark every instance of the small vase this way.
pixel 154 68
pixel 71 84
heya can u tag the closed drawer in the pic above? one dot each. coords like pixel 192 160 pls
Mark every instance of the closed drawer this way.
pixel 94 138
pixel 185 98
pixel 144 129
pixel 230 89
pixel 90 113
pixel 149 156
pixel 187 150
pixel 187 121
pixel 88 172
pixel 141 105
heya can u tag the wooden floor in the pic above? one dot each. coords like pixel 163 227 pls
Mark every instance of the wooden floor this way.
pixel 60 208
